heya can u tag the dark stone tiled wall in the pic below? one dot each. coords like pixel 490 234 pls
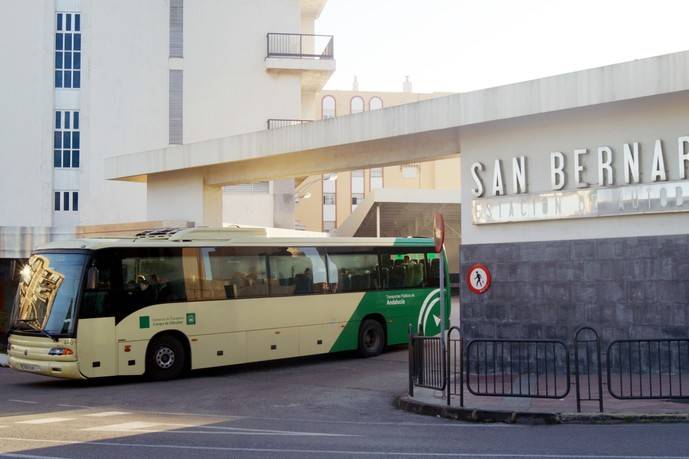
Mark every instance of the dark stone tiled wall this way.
pixel 624 288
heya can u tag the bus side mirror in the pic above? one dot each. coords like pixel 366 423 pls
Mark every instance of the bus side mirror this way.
pixel 92 278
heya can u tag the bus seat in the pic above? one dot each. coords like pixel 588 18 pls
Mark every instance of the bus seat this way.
pixel 418 274
pixel 302 284
pixel 408 275
pixel 397 277
pixel 345 281
pixel 385 277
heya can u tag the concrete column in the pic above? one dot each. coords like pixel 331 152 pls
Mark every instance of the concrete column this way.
pixel 184 195
pixel 283 203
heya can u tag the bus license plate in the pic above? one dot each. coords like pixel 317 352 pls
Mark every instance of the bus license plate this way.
pixel 29 367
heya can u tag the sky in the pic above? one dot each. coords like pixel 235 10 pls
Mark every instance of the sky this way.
pixel 463 45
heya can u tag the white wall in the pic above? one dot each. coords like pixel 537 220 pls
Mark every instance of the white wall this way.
pixel 26 106
pixel 124 99
pixel 226 87
pixel 642 120
pixel 254 209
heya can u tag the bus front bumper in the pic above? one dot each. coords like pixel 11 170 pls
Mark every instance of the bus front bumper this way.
pixel 32 354
pixel 69 370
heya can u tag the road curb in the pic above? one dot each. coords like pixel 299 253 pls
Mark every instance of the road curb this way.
pixel 406 403
pixel 623 418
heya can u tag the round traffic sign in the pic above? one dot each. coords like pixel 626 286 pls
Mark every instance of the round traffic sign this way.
pixel 478 278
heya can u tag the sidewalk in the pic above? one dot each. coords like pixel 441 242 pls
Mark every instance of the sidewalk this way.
pixel 544 411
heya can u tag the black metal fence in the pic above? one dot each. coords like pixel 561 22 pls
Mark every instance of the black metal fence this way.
pixel 428 367
pixel 517 368
pixel 635 369
pixel 648 369
pixel 588 367
pixel 300 46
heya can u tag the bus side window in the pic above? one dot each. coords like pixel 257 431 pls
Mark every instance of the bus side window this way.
pixel 299 271
pixel 354 273
pixel 151 276
pixel 227 274
pixel 404 270
pixel 433 272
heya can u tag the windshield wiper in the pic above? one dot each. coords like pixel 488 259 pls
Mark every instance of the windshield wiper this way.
pixel 30 323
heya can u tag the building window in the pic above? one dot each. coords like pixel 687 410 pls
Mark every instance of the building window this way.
pixel 258 187
pixel 410 171
pixel 356 105
pixel 66 139
pixel 328 226
pixel 356 199
pixel 68 50
pixel 66 201
pixel 357 188
pixel 376 103
pixel 176 107
pixel 376 178
pixel 328 107
pixel 176 28
pixel 329 203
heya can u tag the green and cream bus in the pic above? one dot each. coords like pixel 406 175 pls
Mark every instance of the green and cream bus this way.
pixel 172 300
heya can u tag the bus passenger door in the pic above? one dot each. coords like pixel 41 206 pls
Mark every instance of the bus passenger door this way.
pixel 96 347
pixel 96 341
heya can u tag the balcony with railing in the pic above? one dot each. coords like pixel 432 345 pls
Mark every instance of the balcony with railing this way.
pixel 300 46
pixel 311 55
pixel 275 123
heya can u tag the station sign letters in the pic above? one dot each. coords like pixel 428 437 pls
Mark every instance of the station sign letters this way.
pixel 607 198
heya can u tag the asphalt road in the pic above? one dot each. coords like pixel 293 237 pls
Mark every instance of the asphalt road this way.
pixel 327 406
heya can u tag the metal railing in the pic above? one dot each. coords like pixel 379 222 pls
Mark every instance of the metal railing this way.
pixel 275 123
pixel 586 362
pixel 427 362
pixel 300 46
pixel 648 369
pixel 517 368
pixel 455 365
pixel 635 368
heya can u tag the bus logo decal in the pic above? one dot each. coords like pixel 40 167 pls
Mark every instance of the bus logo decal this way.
pixel 427 307
pixel 191 318
pixel 144 322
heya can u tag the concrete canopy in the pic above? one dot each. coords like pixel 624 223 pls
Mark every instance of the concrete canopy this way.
pixel 418 131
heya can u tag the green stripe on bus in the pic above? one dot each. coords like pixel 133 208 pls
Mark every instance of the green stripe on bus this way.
pixel 399 308
pixel 413 242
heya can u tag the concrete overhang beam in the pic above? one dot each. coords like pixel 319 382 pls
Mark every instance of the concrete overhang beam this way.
pixel 413 132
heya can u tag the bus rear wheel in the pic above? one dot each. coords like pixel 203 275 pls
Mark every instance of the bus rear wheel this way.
pixel 165 358
pixel 371 338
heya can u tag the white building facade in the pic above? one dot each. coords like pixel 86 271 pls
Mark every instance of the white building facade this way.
pixel 91 79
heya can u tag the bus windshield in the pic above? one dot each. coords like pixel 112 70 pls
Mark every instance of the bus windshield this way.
pixel 47 294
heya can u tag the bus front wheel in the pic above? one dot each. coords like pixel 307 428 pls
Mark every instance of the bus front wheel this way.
pixel 371 338
pixel 165 358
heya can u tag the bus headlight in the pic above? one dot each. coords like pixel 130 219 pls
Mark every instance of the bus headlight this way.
pixel 60 351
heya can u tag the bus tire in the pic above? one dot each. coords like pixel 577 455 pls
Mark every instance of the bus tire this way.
pixel 165 358
pixel 371 338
